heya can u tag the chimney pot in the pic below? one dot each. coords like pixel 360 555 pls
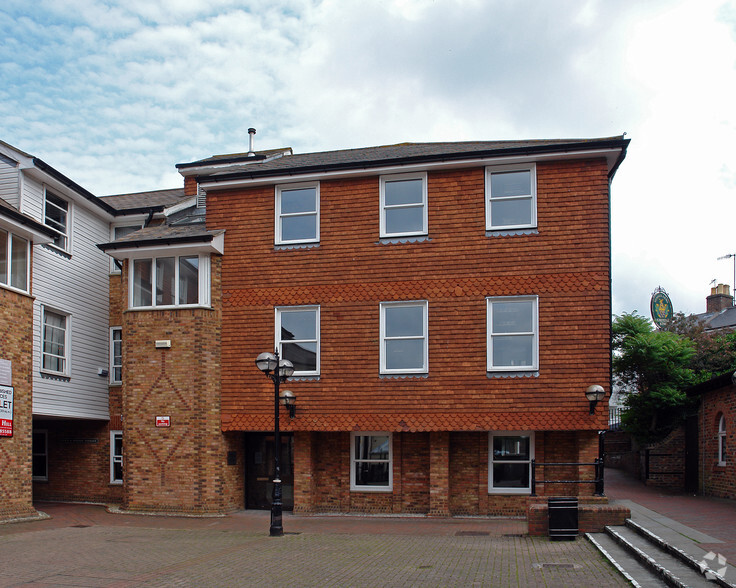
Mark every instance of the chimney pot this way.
pixel 720 299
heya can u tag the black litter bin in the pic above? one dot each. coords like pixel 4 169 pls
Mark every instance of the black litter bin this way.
pixel 563 518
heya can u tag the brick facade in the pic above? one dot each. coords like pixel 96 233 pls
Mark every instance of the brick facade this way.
pixel 16 346
pixel 716 479
pixel 440 422
pixel 182 467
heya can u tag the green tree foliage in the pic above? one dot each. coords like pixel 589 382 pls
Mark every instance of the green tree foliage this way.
pixel 654 367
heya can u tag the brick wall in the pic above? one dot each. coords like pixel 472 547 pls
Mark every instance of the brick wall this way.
pixel 183 467
pixel 666 468
pixel 16 346
pixel 78 462
pixel 718 480
pixel 566 263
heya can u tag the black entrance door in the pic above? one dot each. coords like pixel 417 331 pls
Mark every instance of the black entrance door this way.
pixel 259 449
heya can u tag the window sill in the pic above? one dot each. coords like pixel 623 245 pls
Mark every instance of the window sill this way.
pixel 511 232
pixel 14 289
pixel 304 378
pixel 532 373
pixel 393 376
pixel 55 376
pixel 371 490
pixel 54 249
pixel 289 246
pixel 170 307
pixel 115 384
pixel 510 492
pixel 396 239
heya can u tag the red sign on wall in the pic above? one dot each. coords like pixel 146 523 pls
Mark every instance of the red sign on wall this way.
pixel 6 411
pixel 163 421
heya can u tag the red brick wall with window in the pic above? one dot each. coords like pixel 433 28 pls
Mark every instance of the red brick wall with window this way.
pixel 565 263
pixel 718 480
pixel 16 346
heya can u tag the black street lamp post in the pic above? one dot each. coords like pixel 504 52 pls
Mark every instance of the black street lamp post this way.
pixel 278 371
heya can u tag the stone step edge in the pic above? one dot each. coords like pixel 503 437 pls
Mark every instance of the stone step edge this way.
pixel 660 571
pixel 686 558
pixel 612 560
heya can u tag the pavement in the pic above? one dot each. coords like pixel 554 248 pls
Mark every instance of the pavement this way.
pixel 86 545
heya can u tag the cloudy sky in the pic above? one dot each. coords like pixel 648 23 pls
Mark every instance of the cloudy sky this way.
pixel 114 94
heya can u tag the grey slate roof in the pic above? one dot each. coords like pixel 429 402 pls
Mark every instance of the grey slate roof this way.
pixel 368 157
pixel 725 319
pixel 163 234
pixel 153 198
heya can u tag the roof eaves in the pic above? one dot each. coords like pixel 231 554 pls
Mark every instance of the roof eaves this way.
pixel 156 242
pixel 27 221
pixel 57 175
pixel 525 150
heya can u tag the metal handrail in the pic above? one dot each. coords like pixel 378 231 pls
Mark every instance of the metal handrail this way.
pixel 598 480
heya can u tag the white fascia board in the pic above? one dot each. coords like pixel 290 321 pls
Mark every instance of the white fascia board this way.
pixel 217 245
pixel 183 205
pixel 611 156
pixel 36 237
pixel 65 191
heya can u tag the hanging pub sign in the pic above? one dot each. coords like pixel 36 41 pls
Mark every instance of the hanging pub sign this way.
pixel 6 411
pixel 661 307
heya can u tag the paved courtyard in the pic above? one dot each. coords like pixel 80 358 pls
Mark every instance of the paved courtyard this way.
pixel 83 545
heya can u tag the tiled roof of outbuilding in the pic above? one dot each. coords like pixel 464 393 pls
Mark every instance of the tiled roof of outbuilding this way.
pixel 154 198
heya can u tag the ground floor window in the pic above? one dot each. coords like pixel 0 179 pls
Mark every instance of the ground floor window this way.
pixel 39 450
pixel 116 457
pixel 509 467
pixel 371 462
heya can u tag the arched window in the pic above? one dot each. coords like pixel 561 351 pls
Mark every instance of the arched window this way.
pixel 722 440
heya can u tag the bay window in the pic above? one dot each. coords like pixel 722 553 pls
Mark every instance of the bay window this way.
pixel 170 281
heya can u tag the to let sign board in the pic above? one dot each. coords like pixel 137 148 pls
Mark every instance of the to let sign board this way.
pixel 163 421
pixel 6 411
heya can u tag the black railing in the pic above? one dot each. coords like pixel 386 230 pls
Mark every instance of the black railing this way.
pixel 598 480
pixel 614 417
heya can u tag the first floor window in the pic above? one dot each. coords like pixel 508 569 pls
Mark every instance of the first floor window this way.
pixel 297 214
pixel 297 338
pixel 56 216
pixel 509 467
pixel 511 197
pixel 722 440
pixel 116 355
pixel 116 457
pixel 403 205
pixel 512 333
pixel 169 281
pixel 13 260
pixel 371 461
pixel 55 346
pixel 39 450
pixel 403 333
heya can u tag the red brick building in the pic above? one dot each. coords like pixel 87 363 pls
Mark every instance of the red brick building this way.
pixel 446 306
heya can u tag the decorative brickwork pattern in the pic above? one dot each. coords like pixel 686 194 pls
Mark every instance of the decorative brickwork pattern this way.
pixel 16 346
pixel 182 467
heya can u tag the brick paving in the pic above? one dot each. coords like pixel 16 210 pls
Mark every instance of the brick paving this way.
pixel 84 545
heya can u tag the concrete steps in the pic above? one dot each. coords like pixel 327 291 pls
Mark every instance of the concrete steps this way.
pixel 649 561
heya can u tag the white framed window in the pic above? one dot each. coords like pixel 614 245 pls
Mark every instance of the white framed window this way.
pixel 371 462
pixel 297 338
pixel 722 440
pixel 511 197
pixel 403 205
pixel 512 333
pixel 55 341
pixel 297 213
pixel 14 261
pixel 403 333
pixel 116 457
pixel 119 232
pixel 40 455
pixel 116 355
pixel 56 215
pixel 181 280
pixel 510 455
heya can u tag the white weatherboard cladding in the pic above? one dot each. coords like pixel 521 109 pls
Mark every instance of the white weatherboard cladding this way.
pixel 9 178
pixel 78 286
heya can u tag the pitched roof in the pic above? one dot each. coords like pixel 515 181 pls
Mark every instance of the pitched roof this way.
pixel 143 200
pixel 163 234
pixel 371 157
pixel 31 223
